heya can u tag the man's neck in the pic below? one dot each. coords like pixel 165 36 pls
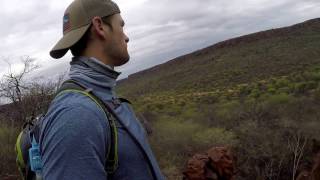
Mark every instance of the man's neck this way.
pixel 98 55
pixel 109 66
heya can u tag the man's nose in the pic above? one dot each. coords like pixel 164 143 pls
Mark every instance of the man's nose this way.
pixel 126 39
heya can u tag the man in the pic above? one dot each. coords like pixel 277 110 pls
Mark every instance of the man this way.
pixel 74 135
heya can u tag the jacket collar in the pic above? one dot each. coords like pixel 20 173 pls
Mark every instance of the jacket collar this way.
pixel 93 73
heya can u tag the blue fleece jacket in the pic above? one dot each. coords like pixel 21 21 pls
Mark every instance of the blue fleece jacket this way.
pixel 75 135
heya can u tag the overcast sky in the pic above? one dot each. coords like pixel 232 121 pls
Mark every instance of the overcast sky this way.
pixel 159 30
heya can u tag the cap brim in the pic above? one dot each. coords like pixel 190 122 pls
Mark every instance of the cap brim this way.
pixel 68 40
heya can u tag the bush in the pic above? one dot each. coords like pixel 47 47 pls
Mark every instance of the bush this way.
pixel 226 113
pixel 8 137
pixel 209 137
pixel 255 93
pixel 244 89
pixel 300 87
pixel 271 90
pixel 282 82
pixel 172 143
pixel 174 135
pixel 314 76
pixel 175 141
pixel 278 99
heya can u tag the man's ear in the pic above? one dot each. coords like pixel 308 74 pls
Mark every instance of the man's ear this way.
pixel 97 27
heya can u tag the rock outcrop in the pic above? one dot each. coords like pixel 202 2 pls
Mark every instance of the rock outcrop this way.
pixel 218 163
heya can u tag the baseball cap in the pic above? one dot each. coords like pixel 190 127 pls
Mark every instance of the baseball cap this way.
pixel 77 20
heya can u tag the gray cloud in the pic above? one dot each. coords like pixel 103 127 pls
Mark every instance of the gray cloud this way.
pixel 158 30
pixel 165 29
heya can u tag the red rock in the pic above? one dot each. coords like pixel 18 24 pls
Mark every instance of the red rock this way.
pixel 218 163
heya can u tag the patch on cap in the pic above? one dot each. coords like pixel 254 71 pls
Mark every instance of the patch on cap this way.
pixel 66 22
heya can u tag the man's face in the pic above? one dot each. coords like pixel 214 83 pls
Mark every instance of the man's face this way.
pixel 116 45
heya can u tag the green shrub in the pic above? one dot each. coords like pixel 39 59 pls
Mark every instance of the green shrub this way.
pixel 255 93
pixel 277 99
pixel 314 76
pixel 209 137
pixel 8 137
pixel 244 89
pixel 189 113
pixel 282 82
pixel 300 87
pixel 284 90
pixel 175 140
pixel 271 89
pixel 227 109
pixel 303 87
pixel 173 134
pixel 312 85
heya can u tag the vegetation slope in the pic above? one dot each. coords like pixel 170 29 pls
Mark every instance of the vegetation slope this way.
pixel 257 93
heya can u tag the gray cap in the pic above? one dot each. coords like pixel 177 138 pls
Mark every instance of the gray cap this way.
pixel 77 20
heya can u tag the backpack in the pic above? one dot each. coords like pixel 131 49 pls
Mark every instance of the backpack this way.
pixel 27 148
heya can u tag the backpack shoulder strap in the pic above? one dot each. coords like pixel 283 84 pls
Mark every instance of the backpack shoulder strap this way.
pixel 112 153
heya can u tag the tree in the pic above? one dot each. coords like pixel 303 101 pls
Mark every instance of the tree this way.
pixel 13 86
pixel 296 144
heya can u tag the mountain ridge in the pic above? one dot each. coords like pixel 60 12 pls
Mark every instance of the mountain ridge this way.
pixel 271 33
pixel 253 57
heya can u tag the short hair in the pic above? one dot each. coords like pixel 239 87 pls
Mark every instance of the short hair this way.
pixel 78 48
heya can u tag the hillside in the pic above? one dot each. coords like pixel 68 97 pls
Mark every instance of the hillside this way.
pixel 258 94
pixel 253 57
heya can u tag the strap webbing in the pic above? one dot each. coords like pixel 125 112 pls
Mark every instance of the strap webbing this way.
pixel 112 154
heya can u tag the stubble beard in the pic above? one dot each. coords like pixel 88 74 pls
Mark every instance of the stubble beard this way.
pixel 118 57
pixel 121 57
